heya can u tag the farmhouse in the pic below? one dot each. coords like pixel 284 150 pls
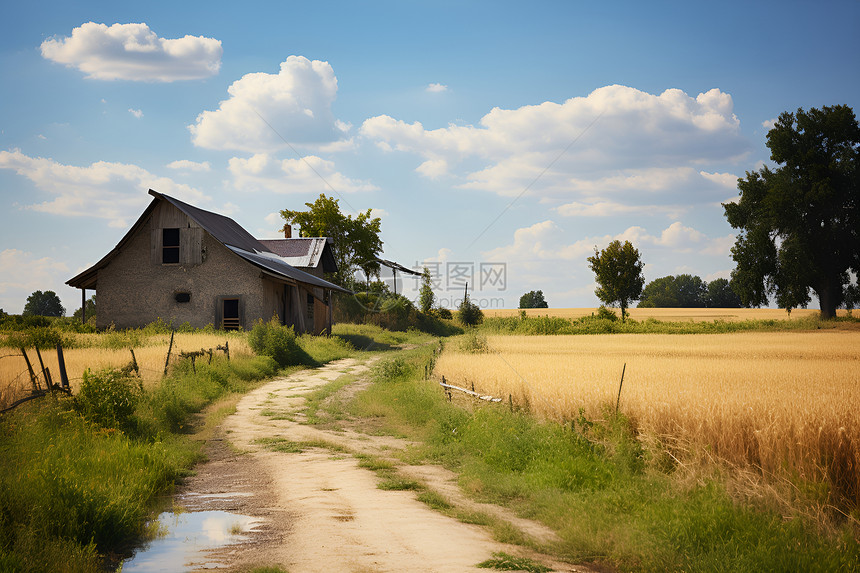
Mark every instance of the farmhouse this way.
pixel 183 264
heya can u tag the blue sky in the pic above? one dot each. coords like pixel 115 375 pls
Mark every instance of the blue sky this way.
pixel 498 136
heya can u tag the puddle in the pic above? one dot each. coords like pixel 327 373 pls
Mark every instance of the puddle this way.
pixel 187 536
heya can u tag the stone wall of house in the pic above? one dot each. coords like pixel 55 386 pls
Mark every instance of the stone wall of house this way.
pixel 134 289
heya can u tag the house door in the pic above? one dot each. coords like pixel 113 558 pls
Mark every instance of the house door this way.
pixel 230 314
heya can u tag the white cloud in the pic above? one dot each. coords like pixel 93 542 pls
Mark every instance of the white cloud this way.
pixel 136 113
pixel 381 213
pixel 769 123
pixel 21 273
pixel 720 246
pixel 433 168
pixel 729 180
pixel 265 111
pixel 263 172
pixel 615 140
pixel 437 88
pixel 134 52
pixel 116 192
pixel 614 209
pixel 188 165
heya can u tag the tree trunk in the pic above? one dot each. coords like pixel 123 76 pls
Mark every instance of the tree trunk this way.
pixel 827 296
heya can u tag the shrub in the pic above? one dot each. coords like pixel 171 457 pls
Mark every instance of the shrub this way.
pixel 470 314
pixel 108 397
pixel 605 313
pixel 278 342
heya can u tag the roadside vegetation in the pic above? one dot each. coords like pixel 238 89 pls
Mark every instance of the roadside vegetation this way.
pixel 81 474
pixel 613 498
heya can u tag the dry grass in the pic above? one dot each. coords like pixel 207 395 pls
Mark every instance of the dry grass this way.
pixel 150 352
pixel 670 314
pixel 782 404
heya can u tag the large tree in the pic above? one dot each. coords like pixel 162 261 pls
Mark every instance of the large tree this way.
pixel 44 304
pixel 721 295
pixel 681 291
pixel 800 223
pixel 618 270
pixel 533 299
pixel 356 241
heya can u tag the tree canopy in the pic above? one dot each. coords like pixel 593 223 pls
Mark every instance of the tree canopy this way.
pixel 44 304
pixel 800 223
pixel 356 241
pixel 425 294
pixel 618 270
pixel 533 299
pixel 688 291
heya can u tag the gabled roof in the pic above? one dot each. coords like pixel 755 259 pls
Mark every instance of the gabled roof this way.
pixel 223 229
pixel 308 252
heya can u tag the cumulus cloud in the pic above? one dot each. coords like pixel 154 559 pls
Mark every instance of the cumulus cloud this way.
pixel 433 168
pixel 613 209
pixel 22 272
pixel 136 112
pixel 437 88
pixel 616 139
pixel 188 165
pixel 262 172
pixel 134 52
pixel 116 192
pixel 266 111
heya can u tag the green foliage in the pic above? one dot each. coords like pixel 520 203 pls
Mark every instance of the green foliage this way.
pixel 389 311
pixel 41 337
pixel 469 313
pixel 444 313
pixel 533 299
pixel 798 224
pixel 618 270
pixel 474 343
pixel 278 342
pixel 682 291
pixel 721 295
pixel 503 562
pixel 90 307
pixel 356 241
pixel 604 313
pixel 425 293
pixel 44 304
pixel 108 397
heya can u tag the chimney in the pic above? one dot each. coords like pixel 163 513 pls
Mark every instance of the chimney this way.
pixel 288 231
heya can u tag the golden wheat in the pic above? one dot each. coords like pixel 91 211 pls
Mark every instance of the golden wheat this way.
pixel 775 402
pixel 669 314
pixel 150 353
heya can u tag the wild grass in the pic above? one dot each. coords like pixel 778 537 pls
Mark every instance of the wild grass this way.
pixel 79 476
pixel 666 314
pixel 595 483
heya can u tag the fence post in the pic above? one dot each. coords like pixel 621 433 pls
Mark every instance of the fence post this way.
pixel 227 349
pixel 64 377
pixel 169 348
pixel 30 369
pixel 47 376
pixel 618 401
pixel 134 362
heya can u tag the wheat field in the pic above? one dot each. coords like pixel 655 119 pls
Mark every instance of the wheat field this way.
pixel 150 353
pixel 774 402
pixel 669 314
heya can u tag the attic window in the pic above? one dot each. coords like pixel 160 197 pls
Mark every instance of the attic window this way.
pixel 170 246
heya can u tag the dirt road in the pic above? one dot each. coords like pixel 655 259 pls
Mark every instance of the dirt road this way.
pixel 322 511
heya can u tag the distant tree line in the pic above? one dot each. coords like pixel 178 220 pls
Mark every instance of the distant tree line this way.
pixel 688 291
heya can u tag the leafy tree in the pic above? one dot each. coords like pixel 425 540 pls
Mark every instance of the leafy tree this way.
pixel 618 270
pixel 90 307
pixel 425 293
pixel 682 291
pixel 356 241
pixel 721 295
pixel 470 314
pixel 533 299
pixel 44 304
pixel 800 223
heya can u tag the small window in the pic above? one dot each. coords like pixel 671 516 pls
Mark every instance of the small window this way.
pixel 170 246
pixel 182 297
